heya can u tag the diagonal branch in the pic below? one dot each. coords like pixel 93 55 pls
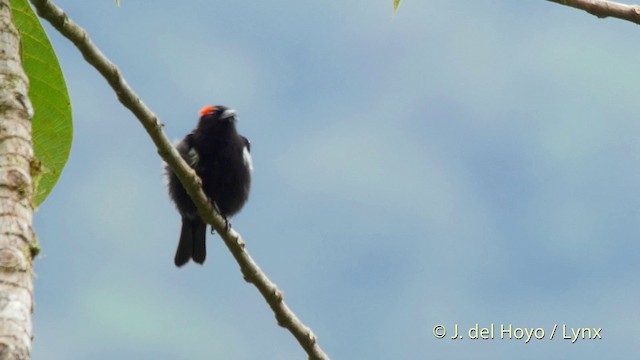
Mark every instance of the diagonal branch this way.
pixel 250 270
pixel 604 8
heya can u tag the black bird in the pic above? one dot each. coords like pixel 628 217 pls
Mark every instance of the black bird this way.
pixel 220 156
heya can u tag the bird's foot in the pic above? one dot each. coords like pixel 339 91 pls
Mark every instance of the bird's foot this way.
pixel 227 224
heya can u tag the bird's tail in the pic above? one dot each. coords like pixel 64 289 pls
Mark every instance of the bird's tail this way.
pixel 192 242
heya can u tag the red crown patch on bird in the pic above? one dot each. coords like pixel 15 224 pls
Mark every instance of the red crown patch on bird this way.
pixel 207 110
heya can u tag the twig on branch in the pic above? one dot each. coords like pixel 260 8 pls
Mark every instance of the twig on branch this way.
pixel 250 270
pixel 604 8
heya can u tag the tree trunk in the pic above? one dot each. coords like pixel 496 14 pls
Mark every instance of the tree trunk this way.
pixel 17 239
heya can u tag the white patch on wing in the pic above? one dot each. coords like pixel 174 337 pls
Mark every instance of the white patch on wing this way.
pixel 193 157
pixel 246 158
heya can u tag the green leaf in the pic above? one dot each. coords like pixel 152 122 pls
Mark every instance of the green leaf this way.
pixel 52 125
pixel 396 3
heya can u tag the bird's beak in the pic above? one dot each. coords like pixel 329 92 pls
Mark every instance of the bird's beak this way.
pixel 229 113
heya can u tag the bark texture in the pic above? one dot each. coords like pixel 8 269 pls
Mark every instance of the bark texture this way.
pixel 17 239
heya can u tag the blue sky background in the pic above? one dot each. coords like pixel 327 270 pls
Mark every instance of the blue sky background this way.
pixel 461 162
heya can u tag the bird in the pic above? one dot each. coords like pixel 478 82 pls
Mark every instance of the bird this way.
pixel 221 158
